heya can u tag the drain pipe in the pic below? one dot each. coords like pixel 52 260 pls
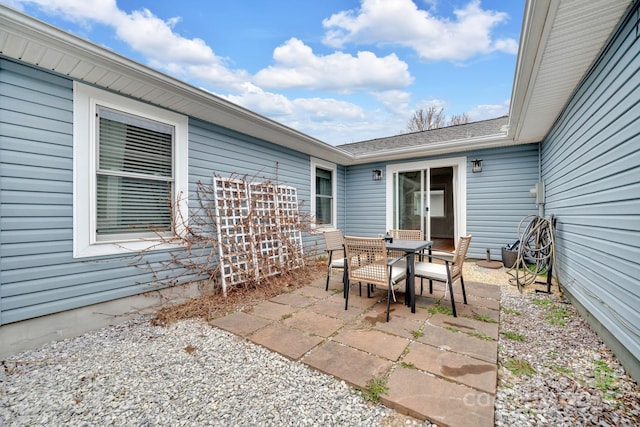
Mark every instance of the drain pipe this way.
pixel 538 190
pixel 538 193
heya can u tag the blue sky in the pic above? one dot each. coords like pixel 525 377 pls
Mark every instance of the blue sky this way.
pixel 341 70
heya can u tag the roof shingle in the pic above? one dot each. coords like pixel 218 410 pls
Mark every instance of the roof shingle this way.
pixel 424 138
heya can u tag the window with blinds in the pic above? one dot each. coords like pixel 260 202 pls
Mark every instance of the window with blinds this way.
pixel 324 196
pixel 134 176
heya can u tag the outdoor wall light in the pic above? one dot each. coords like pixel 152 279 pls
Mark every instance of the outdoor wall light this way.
pixel 377 174
pixel 476 165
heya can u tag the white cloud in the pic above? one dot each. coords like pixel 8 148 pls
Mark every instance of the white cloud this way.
pixel 265 103
pixel 395 101
pixel 215 73
pixel 401 23
pixel 479 112
pixel 506 45
pixel 295 110
pixel 332 120
pixel 328 109
pixel 156 39
pixel 296 66
pixel 152 37
pixel 193 60
pixel 427 103
pixel 103 11
pixel 140 29
pixel 489 111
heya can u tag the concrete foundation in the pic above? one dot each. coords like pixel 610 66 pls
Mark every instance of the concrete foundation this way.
pixel 32 333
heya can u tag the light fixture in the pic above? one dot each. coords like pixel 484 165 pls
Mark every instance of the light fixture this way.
pixel 476 165
pixel 377 174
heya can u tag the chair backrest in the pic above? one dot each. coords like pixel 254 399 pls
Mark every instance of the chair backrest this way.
pixel 333 240
pixel 458 257
pixel 406 234
pixel 367 260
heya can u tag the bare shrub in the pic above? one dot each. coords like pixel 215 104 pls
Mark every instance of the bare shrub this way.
pixel 211 306
pixel 245 238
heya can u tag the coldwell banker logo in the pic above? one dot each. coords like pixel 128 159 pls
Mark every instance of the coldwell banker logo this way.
pixel 477 399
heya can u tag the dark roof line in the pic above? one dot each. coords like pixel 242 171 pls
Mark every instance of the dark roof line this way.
pixel 457 132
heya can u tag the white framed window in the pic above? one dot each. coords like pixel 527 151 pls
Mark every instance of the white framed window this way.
pixel 323 193
pixel 129 171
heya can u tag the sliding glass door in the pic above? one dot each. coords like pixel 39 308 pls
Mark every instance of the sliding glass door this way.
pixel 427 197
pixel 408 201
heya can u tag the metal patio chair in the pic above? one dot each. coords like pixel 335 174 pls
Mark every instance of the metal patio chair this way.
pixel 448 271
pixel 334 245
pixel 367 262
pixel 404 235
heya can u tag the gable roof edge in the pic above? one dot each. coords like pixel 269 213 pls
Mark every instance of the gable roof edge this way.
pixel 436 148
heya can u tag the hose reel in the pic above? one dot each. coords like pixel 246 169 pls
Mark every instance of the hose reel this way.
pixel 536 252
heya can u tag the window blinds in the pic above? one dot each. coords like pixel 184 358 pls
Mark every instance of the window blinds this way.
pixel 135 174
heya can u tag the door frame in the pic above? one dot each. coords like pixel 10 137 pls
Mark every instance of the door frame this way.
pixel 459 165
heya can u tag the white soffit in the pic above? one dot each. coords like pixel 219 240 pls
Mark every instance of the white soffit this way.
pixel 572 33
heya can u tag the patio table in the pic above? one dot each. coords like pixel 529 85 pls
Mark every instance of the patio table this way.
pixel 410 247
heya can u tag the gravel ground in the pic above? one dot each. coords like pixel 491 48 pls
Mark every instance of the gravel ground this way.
pixel 187 374
pixel 554 370
pixel 137 374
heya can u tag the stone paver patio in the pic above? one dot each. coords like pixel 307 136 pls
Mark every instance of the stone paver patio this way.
pixel 436 367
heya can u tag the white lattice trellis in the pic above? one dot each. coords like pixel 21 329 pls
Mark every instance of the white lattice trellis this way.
pixel 234 235
pixel 289 218
pixel 258 230
pixel 265 228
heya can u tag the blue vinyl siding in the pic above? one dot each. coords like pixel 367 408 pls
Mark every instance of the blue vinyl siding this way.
pixel 38 274
pixel 591 167
pixel 213 149
pixel 497 198
pixel 342 197
pixel 365 204
pixel 35 184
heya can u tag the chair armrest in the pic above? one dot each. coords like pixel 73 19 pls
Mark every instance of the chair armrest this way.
pixel 395 260
pixel 446 260
pixel 441 253
pixel 437 253
pixel 331 251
